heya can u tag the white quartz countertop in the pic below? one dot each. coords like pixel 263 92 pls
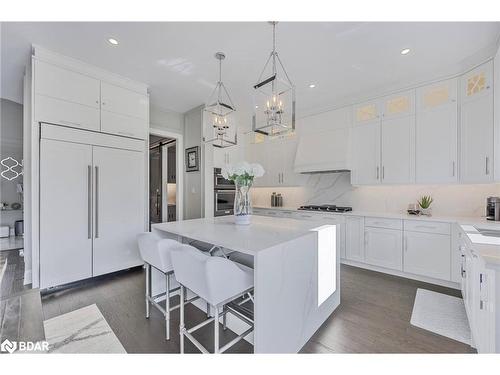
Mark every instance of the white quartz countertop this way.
pixel 402 216
pixel 262 233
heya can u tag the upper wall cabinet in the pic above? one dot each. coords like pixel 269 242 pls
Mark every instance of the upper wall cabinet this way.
pixel 365 154
pixel 397 138
pixel 476 125
pixel 366 112
pixel 436 133
pixel 124 111
pixel 74 94
pixel 65 97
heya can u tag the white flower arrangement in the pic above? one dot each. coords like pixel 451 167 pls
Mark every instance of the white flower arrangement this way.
pixel 243 172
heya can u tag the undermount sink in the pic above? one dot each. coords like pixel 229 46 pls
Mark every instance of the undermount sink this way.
pixel 489 232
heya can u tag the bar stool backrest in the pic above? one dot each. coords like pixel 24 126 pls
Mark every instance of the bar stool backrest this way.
pixel 214 279
pixel 156 250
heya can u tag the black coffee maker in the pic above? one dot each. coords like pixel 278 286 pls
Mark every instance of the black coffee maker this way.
pixel 493 208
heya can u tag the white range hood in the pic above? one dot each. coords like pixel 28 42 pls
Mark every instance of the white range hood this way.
pixel 324 151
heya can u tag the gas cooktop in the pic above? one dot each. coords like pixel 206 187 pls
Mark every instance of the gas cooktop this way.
pixel 325 207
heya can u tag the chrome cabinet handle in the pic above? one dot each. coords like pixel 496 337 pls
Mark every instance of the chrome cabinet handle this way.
pixel 487 166
pixel 378 174
pixel 96 202
pixel 453 169
pixel 383 172
pixel 89 202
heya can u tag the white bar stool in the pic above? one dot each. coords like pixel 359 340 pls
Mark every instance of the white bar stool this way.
pixel 155 252
pixel 216 280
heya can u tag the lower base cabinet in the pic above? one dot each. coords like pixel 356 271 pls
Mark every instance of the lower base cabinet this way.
pixel 427 254
pixel 384 247
pixel 354 243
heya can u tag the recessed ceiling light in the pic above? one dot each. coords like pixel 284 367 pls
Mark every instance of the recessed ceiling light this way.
pixel 113 41
pixel 256 106
pixel 312 85
pixel 405 51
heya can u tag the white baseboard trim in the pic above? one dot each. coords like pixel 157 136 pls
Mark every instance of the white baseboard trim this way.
pixel 425 279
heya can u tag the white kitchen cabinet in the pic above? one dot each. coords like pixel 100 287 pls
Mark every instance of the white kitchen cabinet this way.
pixel 65 212
pixel 384 247
pixel 119 208
pixel 277 156
pixel 65 97
pixel 398 151
pixel 398 138
pixel 354 238
pixel 229 155
pixel 64 84
pixel 365 154
pixel 427 254
pixel 367 112
pixel 123 111
pixel 476 125
pixel 436 133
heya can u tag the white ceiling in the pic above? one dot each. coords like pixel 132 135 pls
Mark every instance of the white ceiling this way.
pixel 344 60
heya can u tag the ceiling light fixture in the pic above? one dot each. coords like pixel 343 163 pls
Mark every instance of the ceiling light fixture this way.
pixel 312 85
pixel 405 51
pixel 113 41
pixel 275 94
pixel 219 108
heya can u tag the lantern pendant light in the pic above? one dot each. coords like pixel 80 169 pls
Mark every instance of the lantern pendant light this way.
pixel 274 97
pixel 218 110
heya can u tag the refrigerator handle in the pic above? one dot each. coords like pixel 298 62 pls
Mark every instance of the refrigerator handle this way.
pixel 96 202
pixel 89 202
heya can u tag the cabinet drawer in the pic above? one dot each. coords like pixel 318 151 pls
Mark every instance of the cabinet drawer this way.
pixel 378 222
pixel 127 126
pixel 60 112
pixel 427 227
pixel 304 215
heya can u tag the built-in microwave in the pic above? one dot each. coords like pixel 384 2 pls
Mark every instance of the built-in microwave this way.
pixel 220 182
pixel 224 202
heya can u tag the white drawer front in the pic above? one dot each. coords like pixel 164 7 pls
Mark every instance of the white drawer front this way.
pixel 427 226
pixel 306 215
pixel 60 112
pixel 378 222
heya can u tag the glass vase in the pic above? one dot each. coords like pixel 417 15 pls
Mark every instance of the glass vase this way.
pixel 242 202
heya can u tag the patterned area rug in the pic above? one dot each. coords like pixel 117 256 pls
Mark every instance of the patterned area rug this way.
pixel 81 331
pixel 441 314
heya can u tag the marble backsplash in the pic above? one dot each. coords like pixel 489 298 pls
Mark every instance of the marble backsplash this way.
pixel 335 188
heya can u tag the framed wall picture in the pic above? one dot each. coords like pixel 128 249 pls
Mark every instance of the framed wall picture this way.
pixel 193 159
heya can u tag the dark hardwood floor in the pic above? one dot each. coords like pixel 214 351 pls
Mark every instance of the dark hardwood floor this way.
pixel 374 316
pixel 20 306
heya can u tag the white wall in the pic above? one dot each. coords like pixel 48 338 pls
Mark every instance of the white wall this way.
pixel 193 181
pixel 449 200
pixel 166 120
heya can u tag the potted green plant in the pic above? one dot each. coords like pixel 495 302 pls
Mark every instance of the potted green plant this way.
pixel 425 204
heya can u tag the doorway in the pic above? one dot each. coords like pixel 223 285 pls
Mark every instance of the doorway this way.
pixel 162 179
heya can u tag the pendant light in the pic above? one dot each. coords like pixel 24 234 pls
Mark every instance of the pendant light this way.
pixel 217 111
pixel 274 97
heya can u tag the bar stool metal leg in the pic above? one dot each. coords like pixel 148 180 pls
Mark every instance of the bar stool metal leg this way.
pixel 181 318
pixel 216 329
pixel 167 307
pixel 224 317
pixel 148 287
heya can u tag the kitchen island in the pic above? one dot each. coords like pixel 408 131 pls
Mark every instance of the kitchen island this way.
pixel 296 272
